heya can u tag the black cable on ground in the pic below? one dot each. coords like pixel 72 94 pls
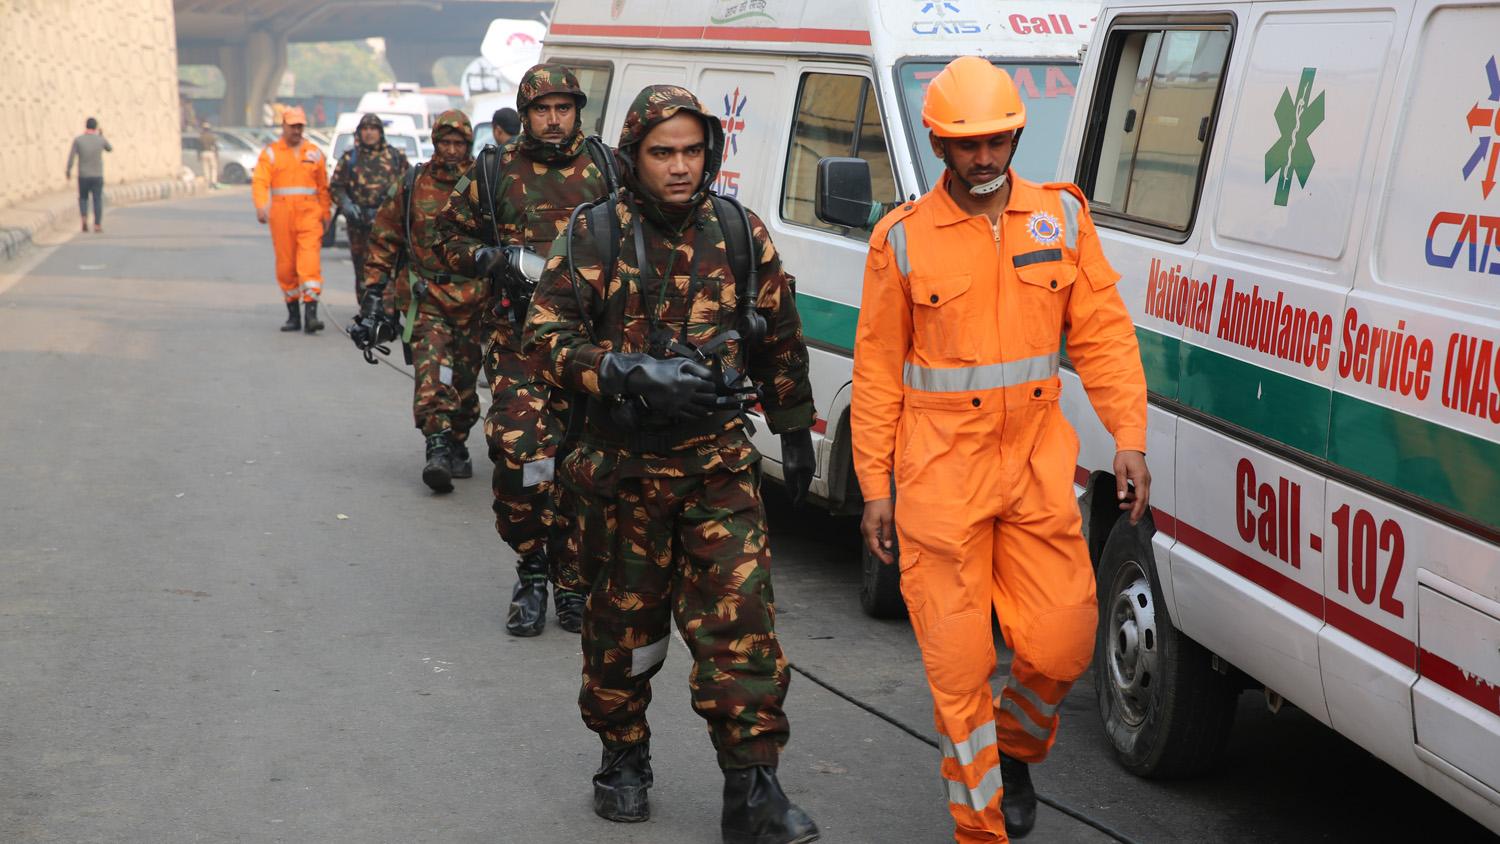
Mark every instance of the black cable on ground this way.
pixel 893 721
pixel 905 728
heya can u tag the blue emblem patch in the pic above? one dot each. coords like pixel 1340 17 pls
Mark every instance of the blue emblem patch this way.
pixel 1044 228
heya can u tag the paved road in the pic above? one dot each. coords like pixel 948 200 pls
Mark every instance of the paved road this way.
pixel 230 611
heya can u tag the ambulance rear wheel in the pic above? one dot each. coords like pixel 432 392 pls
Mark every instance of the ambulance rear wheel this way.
pixel 1165 709
pixel 880 585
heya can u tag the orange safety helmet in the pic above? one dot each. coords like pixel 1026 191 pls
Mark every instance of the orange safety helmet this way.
pixel 971 97
pixel 294 116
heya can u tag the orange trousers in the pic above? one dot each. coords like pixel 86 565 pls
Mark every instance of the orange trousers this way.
pixel 986 518
pixel 297 236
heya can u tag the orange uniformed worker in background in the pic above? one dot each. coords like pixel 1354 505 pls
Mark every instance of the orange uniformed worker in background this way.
pixel 290 190
pixel 967 294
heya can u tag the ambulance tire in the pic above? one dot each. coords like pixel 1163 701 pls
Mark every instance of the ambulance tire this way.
pixel 1166 710
pixel 880 585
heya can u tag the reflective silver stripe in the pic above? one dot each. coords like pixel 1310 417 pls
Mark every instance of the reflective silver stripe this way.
pixel 979 796
pixel 966 750
pixel 896 237
pixel 294 191
pixel 647 657
pixel 1047 709
pixel 538 471
pixel 964 379
pixel 1071 208
pixel 1032 729
pixel 271 153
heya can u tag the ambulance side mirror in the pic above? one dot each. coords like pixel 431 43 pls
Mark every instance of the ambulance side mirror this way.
pixel 843 192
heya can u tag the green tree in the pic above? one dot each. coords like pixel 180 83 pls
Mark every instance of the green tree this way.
pixel 337 68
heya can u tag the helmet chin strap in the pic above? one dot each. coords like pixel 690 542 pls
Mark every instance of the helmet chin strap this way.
pixel 988 187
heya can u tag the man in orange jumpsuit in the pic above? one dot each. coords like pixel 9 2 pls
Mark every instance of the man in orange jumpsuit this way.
pixel 967 293
pixel 290 189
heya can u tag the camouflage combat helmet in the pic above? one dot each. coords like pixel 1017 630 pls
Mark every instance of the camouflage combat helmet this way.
pixel 544 79
pixel 656 104
pixel 450 121
pixel 371 119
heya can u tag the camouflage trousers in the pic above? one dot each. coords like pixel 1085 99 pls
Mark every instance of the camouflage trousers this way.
pixel 690 547
pixel 524 428
pixel 359 250
pixel 446 354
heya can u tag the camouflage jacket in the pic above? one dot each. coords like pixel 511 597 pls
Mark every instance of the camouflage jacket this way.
pixel 532 204
pixel 364 175
pixel 698 301
pixel 388 243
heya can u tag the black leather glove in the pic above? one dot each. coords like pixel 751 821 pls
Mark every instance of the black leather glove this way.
pixel 798 462
pixel 489 260
pixel 675 387
pixel 360 334
pixel 350 211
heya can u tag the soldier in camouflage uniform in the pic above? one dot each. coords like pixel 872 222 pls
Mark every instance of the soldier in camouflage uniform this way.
pixel 535 181
pixel 665 479
pixel 366 172
pixel 442 309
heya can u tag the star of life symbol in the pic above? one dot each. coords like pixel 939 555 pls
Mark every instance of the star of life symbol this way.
pixel 1486 120
pixel 1291 155
pixel 1043 228
pixel 733 121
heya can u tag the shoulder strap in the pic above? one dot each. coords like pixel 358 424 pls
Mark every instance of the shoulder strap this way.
pixel 410 181
pixel 604 227
pixel 735 222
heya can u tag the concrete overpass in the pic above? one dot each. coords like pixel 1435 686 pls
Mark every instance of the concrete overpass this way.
pixel 247 39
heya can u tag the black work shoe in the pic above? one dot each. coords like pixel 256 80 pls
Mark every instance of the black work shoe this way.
pixel 458 460
pixel 621 784
pixel 757 811
pixel 293 318
pixel 1018 803
pixel 310 321
pixel 527 615
pixel 569 609
pixel 437 473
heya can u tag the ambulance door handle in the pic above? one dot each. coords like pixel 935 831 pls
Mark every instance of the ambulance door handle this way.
pixel 1129 121
pixel 1203 130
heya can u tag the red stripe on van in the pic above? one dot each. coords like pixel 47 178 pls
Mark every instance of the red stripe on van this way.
pixel 1470 687
pixel 1393 645
pixel 728 33
pixel 1252 570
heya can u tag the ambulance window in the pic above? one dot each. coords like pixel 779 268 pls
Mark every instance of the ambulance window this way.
pixel 594 79
pixel 1159 90
pixel 837 115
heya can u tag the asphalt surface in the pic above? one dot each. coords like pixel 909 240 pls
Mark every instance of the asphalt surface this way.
pixel 230 611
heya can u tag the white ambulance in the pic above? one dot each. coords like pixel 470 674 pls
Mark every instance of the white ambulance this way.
pixel 794 82
pixel 1300 197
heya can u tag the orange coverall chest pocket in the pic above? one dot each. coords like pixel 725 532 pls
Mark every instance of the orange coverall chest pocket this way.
pixel 1045 288
pixel 942 327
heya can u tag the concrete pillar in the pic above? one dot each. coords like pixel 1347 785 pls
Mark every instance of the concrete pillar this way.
pixel 413 61
pixel 252 71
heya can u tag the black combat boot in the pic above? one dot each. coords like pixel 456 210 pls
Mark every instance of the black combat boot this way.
pixel 438 473
pixel 528 602
pixel 621 784
pixel 1019 801
pixel 293 318
pixel 458 459
pixel 757 811
pixel 310 321
pixel 569 609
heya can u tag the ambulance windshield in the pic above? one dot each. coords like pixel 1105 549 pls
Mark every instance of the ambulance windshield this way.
pixel 1048 91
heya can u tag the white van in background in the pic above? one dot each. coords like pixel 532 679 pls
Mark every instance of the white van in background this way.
pixel 794 82
pixel 1299 196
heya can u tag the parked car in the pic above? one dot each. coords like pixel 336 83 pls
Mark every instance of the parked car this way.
pixel 236 156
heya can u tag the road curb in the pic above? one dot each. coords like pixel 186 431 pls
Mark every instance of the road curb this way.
pixel 22 222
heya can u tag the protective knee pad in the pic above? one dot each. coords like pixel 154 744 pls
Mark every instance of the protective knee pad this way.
pixel 1060 642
